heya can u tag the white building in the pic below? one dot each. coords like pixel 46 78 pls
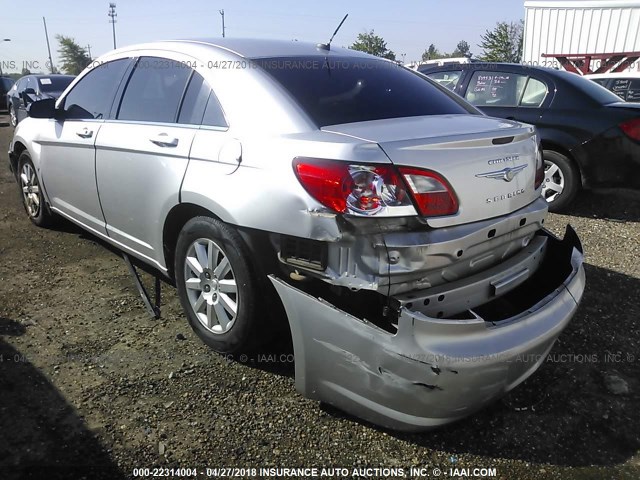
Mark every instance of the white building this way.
pixel 580 27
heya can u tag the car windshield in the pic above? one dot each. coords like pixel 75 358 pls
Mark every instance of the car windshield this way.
pixel 336 90
pixel 597 92
pixel 54 84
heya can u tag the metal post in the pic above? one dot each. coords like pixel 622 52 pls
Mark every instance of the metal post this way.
pixel 112 14
pixel 46 34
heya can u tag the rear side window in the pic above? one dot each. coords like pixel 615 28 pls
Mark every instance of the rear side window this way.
pixel 534 93
pixel 195 100
pixel 92 96
pixel 446 79
pixel 213 115
pixel 335 90
pixel 154 91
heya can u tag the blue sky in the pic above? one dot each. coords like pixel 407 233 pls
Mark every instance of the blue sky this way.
pixel 407 26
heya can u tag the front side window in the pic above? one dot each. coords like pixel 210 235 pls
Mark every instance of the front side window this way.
pixel 154 91
pixel 92 96
pixel 495 89
pixel 446 79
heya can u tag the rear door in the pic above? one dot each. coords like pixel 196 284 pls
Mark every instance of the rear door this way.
pixel 67 146
pixel 142 154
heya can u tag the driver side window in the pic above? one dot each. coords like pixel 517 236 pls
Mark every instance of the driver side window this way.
pixel 92 96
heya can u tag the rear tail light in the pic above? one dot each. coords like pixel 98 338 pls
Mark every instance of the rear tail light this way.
pixel 631 128
pixel 351 188
pixel 539 168
pixel 374 189
pixel 432 194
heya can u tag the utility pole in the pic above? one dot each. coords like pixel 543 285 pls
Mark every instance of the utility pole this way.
pixel 112 20
pixel 46 34
pixel 222 13
pixel 89 50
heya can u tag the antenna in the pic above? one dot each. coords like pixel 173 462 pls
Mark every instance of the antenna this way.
pixel 222 13
pixel 327 46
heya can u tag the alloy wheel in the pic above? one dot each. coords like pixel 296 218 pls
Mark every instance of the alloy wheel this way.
pixel 12 116
pixel 553 184
pixel 30 189
pixel 211 286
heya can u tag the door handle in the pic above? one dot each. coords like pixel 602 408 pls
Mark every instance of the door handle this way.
pixel 85 133
pixel 164 140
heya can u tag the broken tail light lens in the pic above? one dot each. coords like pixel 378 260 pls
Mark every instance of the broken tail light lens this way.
pixel 369 189
pixel 631 129
pixel 351 188
pixel 433 195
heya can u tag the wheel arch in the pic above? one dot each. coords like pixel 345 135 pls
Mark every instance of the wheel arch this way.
pixel 551 145
pixel 177 217
pixel 18 148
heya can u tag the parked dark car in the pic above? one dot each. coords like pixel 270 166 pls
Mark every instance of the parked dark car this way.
pixel 589 136
pixel 5 85
pixel 30 88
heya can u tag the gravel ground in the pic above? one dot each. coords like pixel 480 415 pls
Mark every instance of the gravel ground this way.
pixel 87 379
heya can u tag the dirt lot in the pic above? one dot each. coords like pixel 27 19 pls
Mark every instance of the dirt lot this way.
pixel 89 380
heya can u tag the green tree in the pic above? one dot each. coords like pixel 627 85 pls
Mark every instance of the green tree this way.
pixel 432 53
pixel 74 58
pixel 463 49
pixel 371 43
pixel 503 43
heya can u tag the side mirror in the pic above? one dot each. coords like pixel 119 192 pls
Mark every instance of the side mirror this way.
pixel 45 108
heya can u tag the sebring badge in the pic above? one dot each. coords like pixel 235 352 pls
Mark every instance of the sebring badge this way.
pixel 507 174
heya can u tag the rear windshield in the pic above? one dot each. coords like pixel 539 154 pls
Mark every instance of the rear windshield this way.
pixel 335 90
pixel 54 84
pixel 597 92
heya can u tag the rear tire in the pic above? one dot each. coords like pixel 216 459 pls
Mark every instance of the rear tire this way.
pixel 31 191
pixel 217 286
pixel 561 180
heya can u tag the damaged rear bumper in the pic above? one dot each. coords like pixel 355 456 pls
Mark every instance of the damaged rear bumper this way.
pixel 434 370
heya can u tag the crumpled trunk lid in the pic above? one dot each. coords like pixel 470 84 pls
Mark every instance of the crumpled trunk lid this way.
pixel 489 162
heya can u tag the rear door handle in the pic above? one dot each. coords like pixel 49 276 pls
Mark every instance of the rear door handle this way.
pixel 85 133
pixel 164 140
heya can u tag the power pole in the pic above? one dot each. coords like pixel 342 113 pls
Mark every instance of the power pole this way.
pixel 46 35
pixel 89 50
pixel 222 13
pixel 112 20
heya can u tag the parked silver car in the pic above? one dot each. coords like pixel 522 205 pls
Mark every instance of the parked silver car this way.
pixel 401 229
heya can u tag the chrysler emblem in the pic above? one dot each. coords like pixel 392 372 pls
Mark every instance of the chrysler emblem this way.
pixel 506 174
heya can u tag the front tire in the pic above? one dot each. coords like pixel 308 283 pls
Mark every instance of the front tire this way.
pixel 217 286
pixel 32 197
pixel 561 180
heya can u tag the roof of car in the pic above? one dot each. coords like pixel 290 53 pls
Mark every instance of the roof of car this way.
pixel 260 48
